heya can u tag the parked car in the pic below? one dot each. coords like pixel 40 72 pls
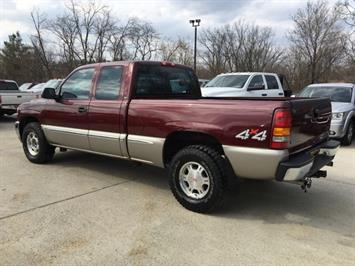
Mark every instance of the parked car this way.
pixel 203 82
pixel 26 86
pixel 342 96
pixel 11 97
pixel 38 88
pixel 135 111
pixel 244 84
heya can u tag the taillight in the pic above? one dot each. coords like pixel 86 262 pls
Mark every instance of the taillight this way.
pixel 281 129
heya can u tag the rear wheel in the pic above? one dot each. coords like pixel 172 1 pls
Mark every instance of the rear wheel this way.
pixel 197 178
pixel 35 145
pixel 348 138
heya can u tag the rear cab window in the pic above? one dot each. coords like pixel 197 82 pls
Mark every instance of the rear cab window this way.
pixel 271 82
pixel 165 81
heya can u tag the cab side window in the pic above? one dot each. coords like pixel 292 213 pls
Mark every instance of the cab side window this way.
pixel 109 83
pixel 78 85
pixel 257 81
pixel 271 82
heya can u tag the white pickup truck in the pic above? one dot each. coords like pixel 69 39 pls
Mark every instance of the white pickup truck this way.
pixel 246 84
pixel 11 97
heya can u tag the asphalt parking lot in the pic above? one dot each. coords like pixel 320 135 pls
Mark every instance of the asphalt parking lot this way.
pixel 87 209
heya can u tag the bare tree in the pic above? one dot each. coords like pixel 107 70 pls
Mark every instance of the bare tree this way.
pixel 143 38
pixel 39 20
pixel 239 47
pixel 178 51
pixel 319 38
pixel 119 38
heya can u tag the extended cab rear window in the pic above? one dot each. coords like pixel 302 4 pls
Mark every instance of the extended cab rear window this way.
pixel 157 81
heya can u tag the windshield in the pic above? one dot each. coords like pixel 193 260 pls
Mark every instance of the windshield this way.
pixel 336 94
pixel 235 81
pixel 53 83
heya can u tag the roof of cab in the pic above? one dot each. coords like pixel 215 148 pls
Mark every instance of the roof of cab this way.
pixel 247 73
pixel 126 63
pixel 339 84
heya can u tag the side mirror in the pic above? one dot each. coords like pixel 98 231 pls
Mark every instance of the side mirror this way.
pixel 256 87
pixel 49 93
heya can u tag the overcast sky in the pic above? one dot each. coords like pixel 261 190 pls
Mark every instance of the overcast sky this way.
pixel 169 17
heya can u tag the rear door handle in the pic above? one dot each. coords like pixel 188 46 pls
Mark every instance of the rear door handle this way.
pixel 264 94
pixel 19 96
pixel 82 109
pixel 281 93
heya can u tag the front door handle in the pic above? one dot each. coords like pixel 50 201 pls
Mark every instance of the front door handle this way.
pixel 82 109
pixel 264 94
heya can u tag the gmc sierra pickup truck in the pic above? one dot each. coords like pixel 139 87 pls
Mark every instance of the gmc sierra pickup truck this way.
pixel 153 112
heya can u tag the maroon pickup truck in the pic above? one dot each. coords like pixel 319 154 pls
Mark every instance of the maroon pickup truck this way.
pixel 153 112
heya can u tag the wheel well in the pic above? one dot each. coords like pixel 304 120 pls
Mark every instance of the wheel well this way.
pixel 178 140
pixel 25 121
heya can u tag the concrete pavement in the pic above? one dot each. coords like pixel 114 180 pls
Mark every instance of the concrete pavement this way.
pixel 87 209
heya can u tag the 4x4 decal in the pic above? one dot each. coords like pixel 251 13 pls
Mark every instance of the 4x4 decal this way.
pixel 252 134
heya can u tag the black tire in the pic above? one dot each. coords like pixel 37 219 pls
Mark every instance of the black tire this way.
pixel 348 138
pixel 45 151
pixel 214 167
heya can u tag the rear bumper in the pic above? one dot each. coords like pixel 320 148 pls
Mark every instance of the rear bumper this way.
pixel 308 163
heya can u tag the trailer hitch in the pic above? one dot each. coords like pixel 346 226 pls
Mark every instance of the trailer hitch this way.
pixel 307 183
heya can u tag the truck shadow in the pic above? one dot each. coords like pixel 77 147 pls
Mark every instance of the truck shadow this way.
pixel 327 205
pixel 7 119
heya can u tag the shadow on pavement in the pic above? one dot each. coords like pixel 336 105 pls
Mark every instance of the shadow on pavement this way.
pixel 267 201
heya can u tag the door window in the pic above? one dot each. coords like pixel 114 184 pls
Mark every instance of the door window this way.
pixel 271 82
pixel 256 81
pixel 109 83
pixel 78 85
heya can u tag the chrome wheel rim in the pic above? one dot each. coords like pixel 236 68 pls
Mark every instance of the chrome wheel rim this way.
pixel 194 180
pixel 32 143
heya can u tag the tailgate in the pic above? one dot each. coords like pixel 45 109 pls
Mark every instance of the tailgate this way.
pixel 310 122
pixel 16 98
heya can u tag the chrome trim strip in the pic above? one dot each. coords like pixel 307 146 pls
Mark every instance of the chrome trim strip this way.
pixel 104 134
pixel 146 149
pixel 254 163
pixel 329 152
pixel 141 139
pixel 90 151
pixel 72 130
pixel 295 174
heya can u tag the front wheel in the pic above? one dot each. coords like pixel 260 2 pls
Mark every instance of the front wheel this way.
pixel 348 138
pixel 35 145
pixel 197 178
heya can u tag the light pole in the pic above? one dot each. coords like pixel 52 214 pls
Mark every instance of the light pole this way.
pixel 195 23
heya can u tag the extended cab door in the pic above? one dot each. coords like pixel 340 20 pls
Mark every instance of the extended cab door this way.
pixel 256 87
pixel 65 121
pixel 104 112
pixel 274 88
